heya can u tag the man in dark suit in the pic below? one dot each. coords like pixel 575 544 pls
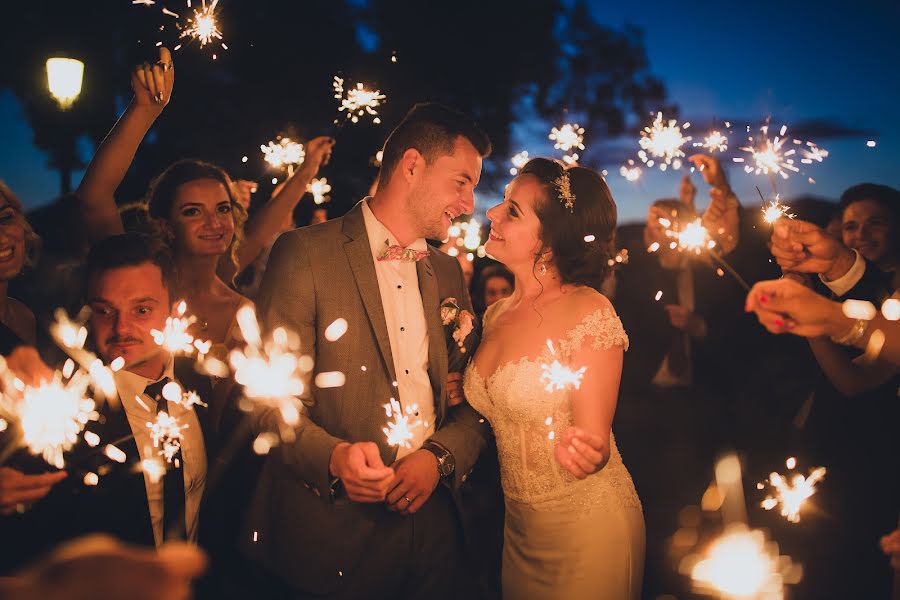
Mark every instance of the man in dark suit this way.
pixel 122 487
pixel 340 513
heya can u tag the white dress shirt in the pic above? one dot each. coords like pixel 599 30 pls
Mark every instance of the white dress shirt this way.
pixel 193 450
pixel 404 314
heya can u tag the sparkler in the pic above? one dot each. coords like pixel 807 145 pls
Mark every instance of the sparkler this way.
pixel 663 141
pixel 283 153
pixel 203 26
pixel 768 156
pixel 716 141
pixel 167 434
pixel 52 415
pixel 271 373
pixel 175 337
pixel 742 564
pixel 358 101
pixel 558 377
pixel 567 137
pixel 320 189
pixel 694 237
pixel 792 494
pixel 399 432
pixel 775 210
pixel 71 336
pixel 631 172
pixel 518 161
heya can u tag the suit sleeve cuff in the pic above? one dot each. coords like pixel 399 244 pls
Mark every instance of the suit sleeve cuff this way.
pixel 845 283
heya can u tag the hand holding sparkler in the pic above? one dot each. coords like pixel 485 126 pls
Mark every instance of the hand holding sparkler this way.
pixel 802 246
pixel 721 219
pixel 18 490
pixel 152 84
pixel 417 477
pixel 26 364
pixel 711 169
pixel 361 471
pixel 581 453
pixel 783 305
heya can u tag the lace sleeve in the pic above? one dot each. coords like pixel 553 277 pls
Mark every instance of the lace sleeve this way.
pixel 602 329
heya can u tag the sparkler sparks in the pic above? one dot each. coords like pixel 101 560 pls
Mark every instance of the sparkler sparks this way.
pixel 558 377
pixel 283 153
pixel 518 161
pixel 775 210
pixel 51 415
pixel 271 373
pixel 693 237
pixel 167 434
pixel 175 337
pixel 791 495
pixel 631 172
pixel 319 188
pixel 768 155
pixel 358 101
pixel 203 26
pixel 742 564
pixel 400 431
pixel 568 137
pixel 716 141
pixel 663 141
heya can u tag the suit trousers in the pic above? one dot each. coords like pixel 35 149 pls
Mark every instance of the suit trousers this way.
pixel 412 557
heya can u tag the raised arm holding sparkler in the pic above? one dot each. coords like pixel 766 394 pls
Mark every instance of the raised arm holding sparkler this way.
pixel 152 85
pixel 270 219
pixel 721 217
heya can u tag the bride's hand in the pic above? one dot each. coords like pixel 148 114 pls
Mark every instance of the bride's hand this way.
pixel 581 453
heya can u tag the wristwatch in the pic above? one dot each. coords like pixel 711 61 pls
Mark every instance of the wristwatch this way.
pixel 446 462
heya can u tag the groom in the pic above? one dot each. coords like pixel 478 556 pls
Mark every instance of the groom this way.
pixel 340 513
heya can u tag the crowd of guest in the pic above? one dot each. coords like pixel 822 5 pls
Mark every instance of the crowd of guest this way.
pixel 705 372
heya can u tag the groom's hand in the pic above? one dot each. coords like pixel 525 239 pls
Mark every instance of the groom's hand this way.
pixel 360 469
pixel 417 476
pixel 581 453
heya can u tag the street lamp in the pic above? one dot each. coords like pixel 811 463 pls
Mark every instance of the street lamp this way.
pixel 64 77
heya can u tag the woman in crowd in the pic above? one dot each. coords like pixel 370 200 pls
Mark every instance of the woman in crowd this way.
pixel 18 243
pixel 194 204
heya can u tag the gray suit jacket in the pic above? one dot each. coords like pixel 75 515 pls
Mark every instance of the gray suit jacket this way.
pixel 306 534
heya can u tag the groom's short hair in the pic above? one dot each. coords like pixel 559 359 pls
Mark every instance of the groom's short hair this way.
pixel 432 129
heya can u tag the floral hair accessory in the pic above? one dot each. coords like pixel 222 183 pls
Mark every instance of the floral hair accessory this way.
pixel 564 187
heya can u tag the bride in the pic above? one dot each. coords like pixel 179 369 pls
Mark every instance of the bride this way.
pixel 574 525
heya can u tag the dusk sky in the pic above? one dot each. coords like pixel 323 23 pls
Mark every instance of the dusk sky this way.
pixel 832 63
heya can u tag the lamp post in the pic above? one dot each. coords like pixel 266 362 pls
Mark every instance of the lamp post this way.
pixel 64 78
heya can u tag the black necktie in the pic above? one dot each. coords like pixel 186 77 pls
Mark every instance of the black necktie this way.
pixel 173 482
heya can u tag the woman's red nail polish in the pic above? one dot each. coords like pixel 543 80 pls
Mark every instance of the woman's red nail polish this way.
pixel 763 299
pixel 779 322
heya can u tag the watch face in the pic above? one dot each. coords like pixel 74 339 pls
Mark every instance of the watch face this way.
pixel 446 465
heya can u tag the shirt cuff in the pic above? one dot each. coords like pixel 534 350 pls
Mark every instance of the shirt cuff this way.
pixel 844 284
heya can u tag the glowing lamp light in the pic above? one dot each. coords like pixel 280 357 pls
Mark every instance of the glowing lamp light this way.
pixel 64 77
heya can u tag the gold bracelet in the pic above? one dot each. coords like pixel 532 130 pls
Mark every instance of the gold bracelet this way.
pixel 856 331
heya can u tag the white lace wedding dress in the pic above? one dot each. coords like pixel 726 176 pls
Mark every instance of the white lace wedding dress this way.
pixel 563 537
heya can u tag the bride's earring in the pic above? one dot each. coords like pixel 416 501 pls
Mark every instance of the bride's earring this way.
pixel 543 269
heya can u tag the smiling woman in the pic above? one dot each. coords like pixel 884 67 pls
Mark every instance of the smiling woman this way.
pixel 18 243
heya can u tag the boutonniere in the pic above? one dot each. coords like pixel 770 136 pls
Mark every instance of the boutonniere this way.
pixel 461 322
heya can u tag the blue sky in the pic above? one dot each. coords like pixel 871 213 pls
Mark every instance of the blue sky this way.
pixel 794 62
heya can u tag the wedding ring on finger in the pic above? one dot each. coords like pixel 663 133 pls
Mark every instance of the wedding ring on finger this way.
pixel 165 65
pixel 408 501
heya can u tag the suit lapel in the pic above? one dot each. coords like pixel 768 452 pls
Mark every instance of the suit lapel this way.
pixel 359 254
pixel 437 346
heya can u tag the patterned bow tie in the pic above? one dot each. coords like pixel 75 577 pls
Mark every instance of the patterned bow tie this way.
pixel 400 253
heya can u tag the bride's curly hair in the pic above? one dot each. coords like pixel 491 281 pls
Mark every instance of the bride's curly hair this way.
pixel 581 238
